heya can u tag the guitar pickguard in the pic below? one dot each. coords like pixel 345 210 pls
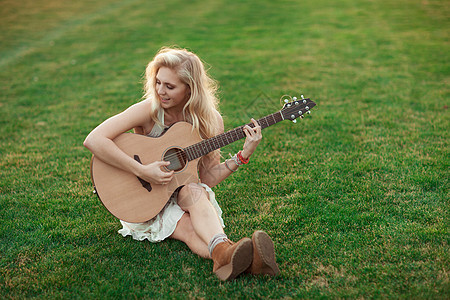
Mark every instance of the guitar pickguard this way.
pixel 145 184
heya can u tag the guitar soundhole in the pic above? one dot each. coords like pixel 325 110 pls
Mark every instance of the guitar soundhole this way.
pixel 177 159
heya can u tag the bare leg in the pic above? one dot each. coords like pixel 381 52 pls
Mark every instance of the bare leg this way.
pixel 193 199
pixel 230 259
pixel 185 232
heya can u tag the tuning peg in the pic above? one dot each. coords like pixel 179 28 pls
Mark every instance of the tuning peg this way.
pixel 302 97
pixel 294 121
pixel 286 100
pixel 308 112
pixel 294 98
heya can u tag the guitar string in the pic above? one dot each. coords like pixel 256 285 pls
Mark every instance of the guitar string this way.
pixel 220 139
pixel 196 150
pixel 200 147
pixel 212 143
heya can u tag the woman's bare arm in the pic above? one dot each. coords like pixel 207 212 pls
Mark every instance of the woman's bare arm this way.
pixel 100 143
pixel 212 172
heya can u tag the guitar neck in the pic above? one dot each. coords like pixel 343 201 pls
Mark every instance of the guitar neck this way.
pixel 206 146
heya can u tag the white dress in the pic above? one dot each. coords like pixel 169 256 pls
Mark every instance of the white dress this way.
pixel 163 225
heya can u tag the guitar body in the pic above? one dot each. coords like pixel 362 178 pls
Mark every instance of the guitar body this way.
pixel 128 197
pixel 134 200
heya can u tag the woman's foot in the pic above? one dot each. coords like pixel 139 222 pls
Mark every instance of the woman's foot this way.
pixel 263 255
pixel 231 259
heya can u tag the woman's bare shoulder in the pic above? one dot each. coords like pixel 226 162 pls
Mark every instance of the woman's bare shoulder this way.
pixel 143 105
pixel 141 111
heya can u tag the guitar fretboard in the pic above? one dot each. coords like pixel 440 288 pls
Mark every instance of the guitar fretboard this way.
pixel 204 147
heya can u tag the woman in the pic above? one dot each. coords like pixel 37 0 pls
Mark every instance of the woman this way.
pixel 177 88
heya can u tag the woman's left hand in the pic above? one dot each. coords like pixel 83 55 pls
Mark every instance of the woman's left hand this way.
pixel 253 138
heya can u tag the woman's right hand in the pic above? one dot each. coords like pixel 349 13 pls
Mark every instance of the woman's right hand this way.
pixel 155 172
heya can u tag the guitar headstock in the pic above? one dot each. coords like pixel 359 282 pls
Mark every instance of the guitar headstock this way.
pixel 296 108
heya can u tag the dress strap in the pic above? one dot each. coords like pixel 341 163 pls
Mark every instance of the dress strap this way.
pixel 158 128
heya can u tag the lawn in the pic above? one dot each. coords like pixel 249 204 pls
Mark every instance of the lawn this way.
pixel 355 196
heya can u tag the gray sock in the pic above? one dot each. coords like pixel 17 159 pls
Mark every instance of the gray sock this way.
pixel 217 239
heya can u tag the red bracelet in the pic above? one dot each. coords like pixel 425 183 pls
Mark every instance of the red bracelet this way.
pixel 243 161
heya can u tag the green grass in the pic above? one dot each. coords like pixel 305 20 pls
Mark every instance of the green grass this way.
pixel 355 196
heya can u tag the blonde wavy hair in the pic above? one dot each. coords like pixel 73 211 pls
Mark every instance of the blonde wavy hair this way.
pixel 201 108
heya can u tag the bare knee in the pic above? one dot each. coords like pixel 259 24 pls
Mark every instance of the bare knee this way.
pixel 191 194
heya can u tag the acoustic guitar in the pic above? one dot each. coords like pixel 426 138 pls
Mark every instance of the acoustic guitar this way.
pixel 135 200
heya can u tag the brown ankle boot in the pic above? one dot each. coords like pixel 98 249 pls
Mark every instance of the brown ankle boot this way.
pixel 231 259
pixel 263 255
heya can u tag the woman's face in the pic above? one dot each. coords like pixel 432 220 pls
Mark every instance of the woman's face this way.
pixel 172 92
